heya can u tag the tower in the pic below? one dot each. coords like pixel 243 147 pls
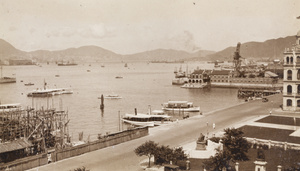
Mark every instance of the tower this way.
pixel 291 77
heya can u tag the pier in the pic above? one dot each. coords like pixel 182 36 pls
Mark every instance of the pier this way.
pixel 256 93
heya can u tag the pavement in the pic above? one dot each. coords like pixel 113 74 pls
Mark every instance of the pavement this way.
pixel 122 156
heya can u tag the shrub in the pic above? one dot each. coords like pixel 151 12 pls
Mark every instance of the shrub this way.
pixel 215 139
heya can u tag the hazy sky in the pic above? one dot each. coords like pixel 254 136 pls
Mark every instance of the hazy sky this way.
pixel 130 26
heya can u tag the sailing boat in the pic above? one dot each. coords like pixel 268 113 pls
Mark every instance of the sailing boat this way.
pixel 6 79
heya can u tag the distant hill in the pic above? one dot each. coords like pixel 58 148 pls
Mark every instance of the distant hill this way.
pixel 81 54
pixel 8 51
pixel 166 55
pixel 272 49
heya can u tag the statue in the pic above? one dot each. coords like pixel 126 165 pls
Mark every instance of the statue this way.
pixel 201 138
pixel 201 143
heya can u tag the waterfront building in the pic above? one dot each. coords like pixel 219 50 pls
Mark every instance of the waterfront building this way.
pixel 291 77
pixel 199 76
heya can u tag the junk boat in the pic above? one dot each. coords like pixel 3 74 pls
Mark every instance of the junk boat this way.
pixel 145 119
pixel 180 77
pixel 180 106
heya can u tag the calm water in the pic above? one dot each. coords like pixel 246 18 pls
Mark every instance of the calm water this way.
pixel 142 85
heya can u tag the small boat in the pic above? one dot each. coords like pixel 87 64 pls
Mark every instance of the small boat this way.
pixel 10 107
pixel 145 119
pixel 57 75
pixel 119 77
pixel 7 79
pixel 88 70
pixel 194 85
pixel 112 96
pixel 180 106
pixel 29 84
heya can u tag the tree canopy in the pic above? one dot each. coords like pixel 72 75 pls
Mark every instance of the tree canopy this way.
pixel 235 148
pixel 147 149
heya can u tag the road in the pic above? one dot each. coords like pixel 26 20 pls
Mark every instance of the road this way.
pixel 122 157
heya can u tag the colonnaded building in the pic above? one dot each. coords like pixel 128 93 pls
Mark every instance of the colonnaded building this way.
pixel 291 78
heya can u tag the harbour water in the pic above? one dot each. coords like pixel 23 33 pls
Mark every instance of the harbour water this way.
pixel 142 85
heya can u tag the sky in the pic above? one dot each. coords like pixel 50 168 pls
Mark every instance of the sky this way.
pixel 132 26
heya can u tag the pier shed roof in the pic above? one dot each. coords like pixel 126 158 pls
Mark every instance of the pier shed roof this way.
pixel 220 72
pixel 14 145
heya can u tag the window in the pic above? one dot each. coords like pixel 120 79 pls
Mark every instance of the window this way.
pixel 289 89
pixel 298 89
pixel 289 75
pixel 287 60
pixel 298 103
pixel 291 60
pixel 289 102
pixel 298 59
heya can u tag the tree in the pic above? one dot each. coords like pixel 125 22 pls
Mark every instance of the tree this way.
pixel 236 144
pixel 147 149
pixel 235 148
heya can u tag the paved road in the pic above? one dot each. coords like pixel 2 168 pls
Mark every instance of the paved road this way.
pixel 122 157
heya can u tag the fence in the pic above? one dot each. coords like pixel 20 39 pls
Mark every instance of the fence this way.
pixel 26 163
pixel 60 154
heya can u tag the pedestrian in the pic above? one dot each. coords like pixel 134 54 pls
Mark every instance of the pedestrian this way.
pixel 214 125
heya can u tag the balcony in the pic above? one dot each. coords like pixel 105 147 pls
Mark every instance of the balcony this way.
pixel 291 94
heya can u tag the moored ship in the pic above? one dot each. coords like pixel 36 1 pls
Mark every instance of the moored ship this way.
pixel 7 79
pixel 184 106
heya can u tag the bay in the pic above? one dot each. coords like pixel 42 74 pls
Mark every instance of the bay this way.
pixel 143 85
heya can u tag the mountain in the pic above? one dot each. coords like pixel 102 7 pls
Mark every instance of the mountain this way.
pixel 81 54
pixel 7 50
pixel 270 49
pixel 166 55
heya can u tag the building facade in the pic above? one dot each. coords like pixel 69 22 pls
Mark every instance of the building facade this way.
pixel 291 77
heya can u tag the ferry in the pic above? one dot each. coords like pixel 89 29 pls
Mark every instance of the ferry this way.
pixel 180 106
pixel 145 119
pixel 49 92
pixel 10 107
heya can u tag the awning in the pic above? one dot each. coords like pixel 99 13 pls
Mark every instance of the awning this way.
pixel 14 145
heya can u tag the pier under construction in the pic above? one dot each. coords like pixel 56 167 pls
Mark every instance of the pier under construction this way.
pixel 29 132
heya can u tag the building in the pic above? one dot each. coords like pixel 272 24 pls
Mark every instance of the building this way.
pixel 291 77
pixel 199 76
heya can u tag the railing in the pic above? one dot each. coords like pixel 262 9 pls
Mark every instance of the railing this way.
pixel 270 144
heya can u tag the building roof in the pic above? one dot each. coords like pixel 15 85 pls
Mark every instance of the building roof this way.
pixel 270 74
pixel 14 145
pixel 198 71
pixel 220 72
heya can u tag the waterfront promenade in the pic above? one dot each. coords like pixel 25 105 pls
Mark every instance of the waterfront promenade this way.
pixel 122 156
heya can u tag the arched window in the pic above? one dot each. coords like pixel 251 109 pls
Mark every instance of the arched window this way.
pixel 289 89
pixel 292 60
pixel 298 89
pixel 298 103
pixel 298 74
pixel 289 102
pixel 298 59
pixel 287 60
pixel 289 75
